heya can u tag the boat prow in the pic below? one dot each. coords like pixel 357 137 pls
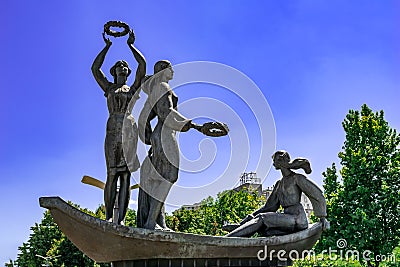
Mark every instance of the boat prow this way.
pixel 103 241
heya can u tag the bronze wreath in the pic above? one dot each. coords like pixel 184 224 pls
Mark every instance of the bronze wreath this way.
pixel 118 24
pixel 215 129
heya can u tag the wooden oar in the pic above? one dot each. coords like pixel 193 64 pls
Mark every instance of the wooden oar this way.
pixel 99 184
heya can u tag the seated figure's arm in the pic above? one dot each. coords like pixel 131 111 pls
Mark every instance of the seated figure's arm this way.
pixel 272 203
pixel 314 193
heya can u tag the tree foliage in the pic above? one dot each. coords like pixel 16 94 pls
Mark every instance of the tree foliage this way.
pixel 208 219
pixel 327 261
pixel 40 242
pixel 364 208
pixel 47 241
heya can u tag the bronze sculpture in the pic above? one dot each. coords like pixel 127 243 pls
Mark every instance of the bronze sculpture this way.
pixel 286 193
pixel 160 168
pixel 121 135
pixel 103 241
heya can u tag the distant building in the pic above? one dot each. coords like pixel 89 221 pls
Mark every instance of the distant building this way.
pixel 194 206
pixel 305 201
pixel 250 182
pixel 268 191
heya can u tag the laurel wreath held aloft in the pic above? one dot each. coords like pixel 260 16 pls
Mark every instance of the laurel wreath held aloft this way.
pixel 215 129
pixel 117 24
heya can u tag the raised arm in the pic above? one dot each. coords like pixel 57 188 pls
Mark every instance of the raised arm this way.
pixel 141 69
pixel 98 62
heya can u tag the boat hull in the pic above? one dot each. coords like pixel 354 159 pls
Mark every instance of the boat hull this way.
pixel 103 241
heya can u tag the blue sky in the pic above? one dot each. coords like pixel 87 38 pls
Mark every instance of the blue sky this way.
pixel 312 61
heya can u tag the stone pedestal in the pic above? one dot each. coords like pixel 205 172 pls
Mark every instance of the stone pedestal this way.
pixel 201 263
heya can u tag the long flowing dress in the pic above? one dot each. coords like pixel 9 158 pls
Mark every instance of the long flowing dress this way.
pixel 160 169
pixel 122 134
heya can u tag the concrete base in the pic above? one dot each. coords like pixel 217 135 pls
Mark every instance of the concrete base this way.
pixel 201 263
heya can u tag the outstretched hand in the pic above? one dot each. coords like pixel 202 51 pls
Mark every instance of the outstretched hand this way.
pixel 213 129
pixel 131 38
pixel 106 40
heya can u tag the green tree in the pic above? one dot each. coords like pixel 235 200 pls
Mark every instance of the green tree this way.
pixel 130 217
pixel 47 241
pixel 326 261
pixel 364 208
pixel 39 243
pixel 229 206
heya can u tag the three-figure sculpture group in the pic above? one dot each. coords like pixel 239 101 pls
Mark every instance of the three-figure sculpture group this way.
pixel 159 170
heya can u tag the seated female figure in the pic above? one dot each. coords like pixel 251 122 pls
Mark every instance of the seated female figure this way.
pixel 286 193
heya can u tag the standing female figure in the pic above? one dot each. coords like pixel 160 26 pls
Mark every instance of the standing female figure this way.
pixel 160 168
pixel 121 135
pixel 286 193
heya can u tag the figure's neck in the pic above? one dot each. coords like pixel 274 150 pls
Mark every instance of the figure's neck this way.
pixel 121 80
pixel 286 172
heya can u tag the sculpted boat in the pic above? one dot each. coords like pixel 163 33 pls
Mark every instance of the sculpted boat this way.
pixel 103 241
